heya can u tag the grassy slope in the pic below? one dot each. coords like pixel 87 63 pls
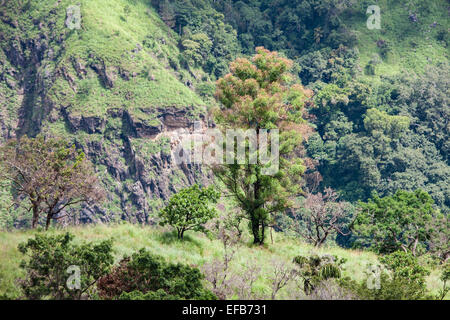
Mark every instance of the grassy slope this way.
pixel 196 249
pixel 413 46
pixel 108 35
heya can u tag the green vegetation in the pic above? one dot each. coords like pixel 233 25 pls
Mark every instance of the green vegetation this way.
pixel 399 222
pixel 144 276
pixel 196 249
pixel 315 269
pixel 259 95
pixel 402 279
pixel 52 259
pixel 364 151
pixel 50 175
pixel 190 209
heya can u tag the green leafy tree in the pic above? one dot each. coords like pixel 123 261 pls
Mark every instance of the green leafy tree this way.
pixel 398 222
pixel 145 276
pixel 50 174
pixel 382 137
pixel 403 278
pixel 260 94
pixel 196 48
pixel 190 209
pixel 52 260
pixel 439 243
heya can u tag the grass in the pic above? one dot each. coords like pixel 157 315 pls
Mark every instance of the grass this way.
pixel 195 249
pixel 412 46
pixel 139 44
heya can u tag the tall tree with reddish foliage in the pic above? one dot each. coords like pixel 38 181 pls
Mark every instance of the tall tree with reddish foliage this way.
pixel 260 94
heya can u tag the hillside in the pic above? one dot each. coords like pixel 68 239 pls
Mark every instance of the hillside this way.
pixel 364 116
pixel 111 87
pixel 196 250
pixel 137 69
pixel 412 33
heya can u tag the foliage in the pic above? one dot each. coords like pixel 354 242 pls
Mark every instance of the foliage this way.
pixel 48 263
pixel 323 216
pixel 403 279
pixel 292 26
pixel 445 277
pixel 315 269
pixel 190 209
pixel 258 95
pixel 206 41
pixel 439 242
pixel 401 221
pixel 196 48
pixel 50 174
pixel 145 276
pixel 383 136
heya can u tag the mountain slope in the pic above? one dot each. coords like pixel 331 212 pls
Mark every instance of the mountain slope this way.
pixel 113 87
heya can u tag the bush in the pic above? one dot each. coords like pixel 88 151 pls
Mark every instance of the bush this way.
pixel 190 209
pixel 445 277
pixel 53 262
pixel 145 276
pixel 402 279
pixel 315 269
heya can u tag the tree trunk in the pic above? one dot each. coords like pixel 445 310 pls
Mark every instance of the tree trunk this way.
pixel 47 223
pixel 263 236
pixel 255 230
pixel 413 251
pixel 271 236
pixel 322 241
pixel 35 216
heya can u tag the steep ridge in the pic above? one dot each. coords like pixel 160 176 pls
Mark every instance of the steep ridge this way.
pixel 114 87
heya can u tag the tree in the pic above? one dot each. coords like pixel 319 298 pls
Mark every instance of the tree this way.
pixel 190 209
pixel 145 276
pixel 218 271
pixel 196 48
pixel 52 260
pixel 323 216
pixel 398 222
pixel 283 273
pixel 258 95
pixel 52 174
pixel 439 242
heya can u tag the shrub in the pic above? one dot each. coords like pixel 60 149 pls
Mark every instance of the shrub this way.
pixel 402 279
pixel 145 276
pixel 48 267
pixel 315 269
pixel 190 209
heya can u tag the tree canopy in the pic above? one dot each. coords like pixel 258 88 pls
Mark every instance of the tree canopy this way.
pixel 50 174
pixel 259 94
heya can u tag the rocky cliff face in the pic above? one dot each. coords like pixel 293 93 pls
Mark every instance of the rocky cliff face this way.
pixel 114 89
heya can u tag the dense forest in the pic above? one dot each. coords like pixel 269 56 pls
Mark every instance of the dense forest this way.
pixel 95 97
